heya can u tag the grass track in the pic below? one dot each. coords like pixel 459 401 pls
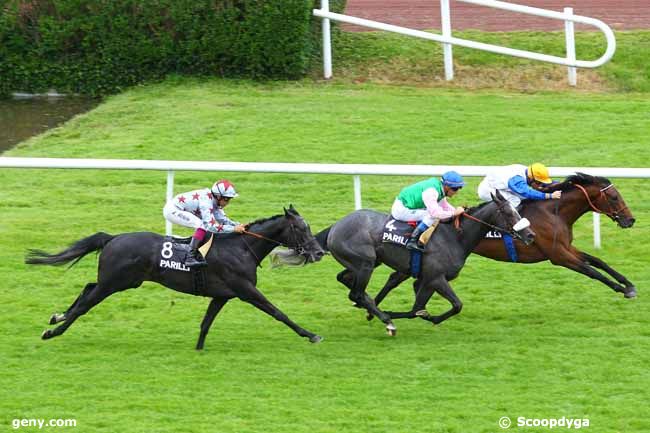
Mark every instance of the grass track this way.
pixel 534 341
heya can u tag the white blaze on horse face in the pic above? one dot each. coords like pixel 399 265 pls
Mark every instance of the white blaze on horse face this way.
pixel 521 225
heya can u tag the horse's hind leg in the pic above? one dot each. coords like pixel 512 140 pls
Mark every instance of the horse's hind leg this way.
pixel 394 280
pixel 357 281
pixel 87 301
pixel 56 318
pixel 213 309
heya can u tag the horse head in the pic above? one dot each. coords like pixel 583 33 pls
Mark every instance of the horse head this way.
pixel 603 197
pixel 510 221
pixel 298 237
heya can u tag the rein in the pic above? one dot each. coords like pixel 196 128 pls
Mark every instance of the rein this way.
pixel 478 220
pixel 298 247
pixel 258 236
pixel 613 214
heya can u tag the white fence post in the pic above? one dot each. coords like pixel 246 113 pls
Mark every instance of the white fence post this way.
pixel 327 42
pixel 596 229
pixel 170 195
pixel 357 192
pixel 445 17
pixel 569 31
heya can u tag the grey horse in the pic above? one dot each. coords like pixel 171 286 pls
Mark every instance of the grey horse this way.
pixel 356 243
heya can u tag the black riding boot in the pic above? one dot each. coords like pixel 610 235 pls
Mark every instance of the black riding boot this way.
pixel 414 241
pixel 194 259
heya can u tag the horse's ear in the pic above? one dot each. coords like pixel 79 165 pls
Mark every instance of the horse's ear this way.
pixel 497 196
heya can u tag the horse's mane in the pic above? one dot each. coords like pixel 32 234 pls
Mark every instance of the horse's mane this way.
pixel 263 220
pixel 290 211
pixel 577 179
pixel 477 207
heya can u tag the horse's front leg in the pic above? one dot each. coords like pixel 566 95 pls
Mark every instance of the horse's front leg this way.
pixel 442 286
pixel 630 290
pixel 251 294
pixel 572 259
pixel 422 297
pixel 213 309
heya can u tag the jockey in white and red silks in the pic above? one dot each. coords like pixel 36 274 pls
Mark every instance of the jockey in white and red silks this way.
pixel 202 210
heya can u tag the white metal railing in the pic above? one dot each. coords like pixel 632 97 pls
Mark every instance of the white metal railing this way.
pixel 448 40
pixel 356 170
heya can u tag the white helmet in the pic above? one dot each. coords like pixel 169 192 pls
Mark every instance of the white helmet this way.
pixel 224 188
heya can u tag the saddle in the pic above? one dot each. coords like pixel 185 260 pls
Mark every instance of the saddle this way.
pixel 399 232
pixel 173 254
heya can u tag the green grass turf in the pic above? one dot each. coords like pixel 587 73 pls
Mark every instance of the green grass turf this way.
pixel 536 341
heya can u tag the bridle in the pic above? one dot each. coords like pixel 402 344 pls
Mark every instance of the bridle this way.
pixel 297 246
pixel 614 214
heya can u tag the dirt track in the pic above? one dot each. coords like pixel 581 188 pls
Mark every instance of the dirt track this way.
pixel 425 14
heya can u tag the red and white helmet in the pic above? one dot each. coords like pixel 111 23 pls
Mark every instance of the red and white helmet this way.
pixel 224 188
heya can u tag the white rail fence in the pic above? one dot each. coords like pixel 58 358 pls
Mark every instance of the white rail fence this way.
pixel 448 40
pixel 355 170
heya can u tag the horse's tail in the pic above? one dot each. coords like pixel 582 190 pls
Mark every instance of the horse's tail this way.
pixel 76 251
pixel 321 237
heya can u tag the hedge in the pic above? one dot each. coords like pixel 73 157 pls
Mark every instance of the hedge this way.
pixel 96 47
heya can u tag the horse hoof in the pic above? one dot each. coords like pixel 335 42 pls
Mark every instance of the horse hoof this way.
pixel 423 313
pixel 56 318
pixel 631 294
pixel 46 334
pixel 316 339
pixel 369 317
pixel 391 329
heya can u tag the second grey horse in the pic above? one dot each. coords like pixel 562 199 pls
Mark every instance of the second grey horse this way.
pixel 356 243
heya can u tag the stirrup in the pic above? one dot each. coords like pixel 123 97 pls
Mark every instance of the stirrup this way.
pixel 412 244
pixel 192 261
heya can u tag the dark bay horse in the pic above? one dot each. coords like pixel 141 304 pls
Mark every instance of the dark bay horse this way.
pixel 356 243
pixel 552 221
pixel 129 259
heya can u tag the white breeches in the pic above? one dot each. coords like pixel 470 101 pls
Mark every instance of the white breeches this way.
pixel 484 191
pixel 402 213
pixel 181 217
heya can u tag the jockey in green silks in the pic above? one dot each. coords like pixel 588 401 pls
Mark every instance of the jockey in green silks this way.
pixel 426 202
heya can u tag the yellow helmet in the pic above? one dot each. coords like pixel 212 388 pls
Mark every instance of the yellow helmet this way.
pixel 539 172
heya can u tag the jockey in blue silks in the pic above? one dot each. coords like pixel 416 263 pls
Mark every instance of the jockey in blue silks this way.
pixel 426 202
pixel 516 182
